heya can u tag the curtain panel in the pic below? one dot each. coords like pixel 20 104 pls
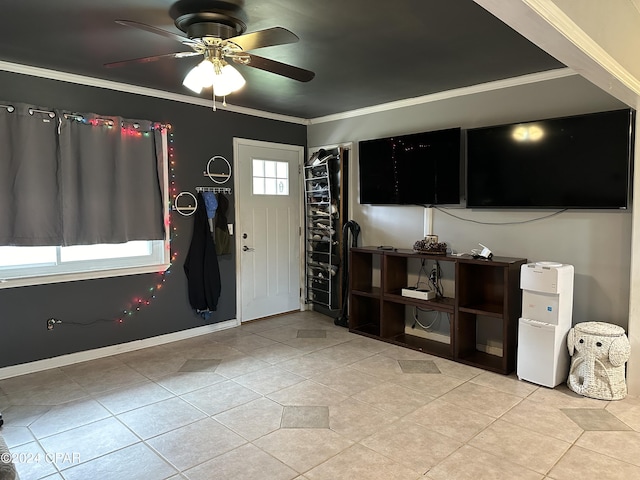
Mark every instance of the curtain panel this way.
pixel 29 177
pixel 109 180
pixel 78 179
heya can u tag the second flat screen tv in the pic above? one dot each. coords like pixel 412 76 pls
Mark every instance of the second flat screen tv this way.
pixel 581 161
pixel 416 169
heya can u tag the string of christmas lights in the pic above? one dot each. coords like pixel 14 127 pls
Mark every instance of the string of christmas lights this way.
pixel 143 301
pixel 139 302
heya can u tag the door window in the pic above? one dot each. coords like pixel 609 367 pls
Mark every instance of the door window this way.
pixel 270 177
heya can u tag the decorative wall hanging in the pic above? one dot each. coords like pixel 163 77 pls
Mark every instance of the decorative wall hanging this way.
pixel 219 164
pixel 218 170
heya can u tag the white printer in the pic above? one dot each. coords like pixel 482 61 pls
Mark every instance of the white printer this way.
pixel 547 307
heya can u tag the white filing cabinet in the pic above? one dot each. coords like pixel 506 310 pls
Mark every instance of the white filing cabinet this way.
pixel 547 306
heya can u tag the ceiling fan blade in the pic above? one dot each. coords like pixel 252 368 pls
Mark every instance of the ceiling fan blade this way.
pixel 279 68
pixel 157 31
pixel 150 59
pixel 265 38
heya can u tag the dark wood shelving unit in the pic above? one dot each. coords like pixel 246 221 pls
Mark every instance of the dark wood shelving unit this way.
pixel 423 344
pixel 483 288
pixel 444 304
pixel 490 310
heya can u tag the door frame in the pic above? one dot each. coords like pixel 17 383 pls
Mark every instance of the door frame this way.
pixel 237 142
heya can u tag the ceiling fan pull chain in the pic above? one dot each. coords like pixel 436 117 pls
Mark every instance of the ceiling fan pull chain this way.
pixel 224 101
pixel 213 95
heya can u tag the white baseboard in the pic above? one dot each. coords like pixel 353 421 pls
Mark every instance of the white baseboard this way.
pixel 70 359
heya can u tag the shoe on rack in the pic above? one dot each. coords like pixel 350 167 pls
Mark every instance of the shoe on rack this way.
pixel 318 187
pixel 320 158
pixel 314 157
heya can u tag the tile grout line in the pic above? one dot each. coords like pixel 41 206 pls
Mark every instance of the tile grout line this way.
pixel 323 350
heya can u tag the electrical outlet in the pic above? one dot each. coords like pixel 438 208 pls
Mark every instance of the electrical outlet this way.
pixel 51 323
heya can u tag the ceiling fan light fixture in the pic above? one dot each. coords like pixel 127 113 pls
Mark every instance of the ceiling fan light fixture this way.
pixel 199 77
pixel 224 78
pixel 227 81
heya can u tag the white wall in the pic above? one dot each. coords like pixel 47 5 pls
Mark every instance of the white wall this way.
pixel 614 25
pixel 597 243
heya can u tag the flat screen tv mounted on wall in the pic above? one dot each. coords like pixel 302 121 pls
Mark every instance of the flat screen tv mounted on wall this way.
pixel 416 169
pixel 581 161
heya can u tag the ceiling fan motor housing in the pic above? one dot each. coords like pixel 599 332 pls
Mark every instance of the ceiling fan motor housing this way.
pixel 202 18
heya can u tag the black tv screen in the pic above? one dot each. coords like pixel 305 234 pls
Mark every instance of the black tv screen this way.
pixel 581 161
pixel 419 169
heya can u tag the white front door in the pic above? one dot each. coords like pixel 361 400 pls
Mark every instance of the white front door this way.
pixel 268 226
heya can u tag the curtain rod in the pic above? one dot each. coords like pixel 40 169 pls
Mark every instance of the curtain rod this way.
pixel 80 118
pixel 136 125
pixel 11 109
pixel 35 110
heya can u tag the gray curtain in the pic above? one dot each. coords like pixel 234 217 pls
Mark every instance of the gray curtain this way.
pixel 78 180
pixel 29 186
pixel 109 181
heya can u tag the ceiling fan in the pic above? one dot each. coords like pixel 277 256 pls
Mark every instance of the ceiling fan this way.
pixel 215 30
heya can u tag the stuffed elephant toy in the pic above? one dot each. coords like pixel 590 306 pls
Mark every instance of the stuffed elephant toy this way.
pixel 599 352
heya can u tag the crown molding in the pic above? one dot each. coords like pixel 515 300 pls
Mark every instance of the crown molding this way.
pixel 555 17
pixel 448 94
pixel 145 91
pixel 150 92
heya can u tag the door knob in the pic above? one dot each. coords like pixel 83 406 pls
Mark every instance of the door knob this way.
pixel 248 249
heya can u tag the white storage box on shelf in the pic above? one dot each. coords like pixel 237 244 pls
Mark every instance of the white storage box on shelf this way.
pixel 547 307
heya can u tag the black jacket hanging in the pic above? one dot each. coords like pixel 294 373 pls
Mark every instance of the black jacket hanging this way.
pixel 221 230
pixel 201 264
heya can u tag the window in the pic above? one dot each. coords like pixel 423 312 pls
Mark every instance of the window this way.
pixel 33 265
pixel 270 178
pixel 24 265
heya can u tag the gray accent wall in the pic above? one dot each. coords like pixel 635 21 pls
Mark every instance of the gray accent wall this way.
pixel 596 242
pixel 199 133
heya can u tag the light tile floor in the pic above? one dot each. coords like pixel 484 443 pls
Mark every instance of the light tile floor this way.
pixel 295 397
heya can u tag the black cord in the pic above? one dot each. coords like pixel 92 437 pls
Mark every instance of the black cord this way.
pixel 422 269
pixel 437 284
pixel 440 287
pixel 56 321
pixel 93 322
pixel 440 209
